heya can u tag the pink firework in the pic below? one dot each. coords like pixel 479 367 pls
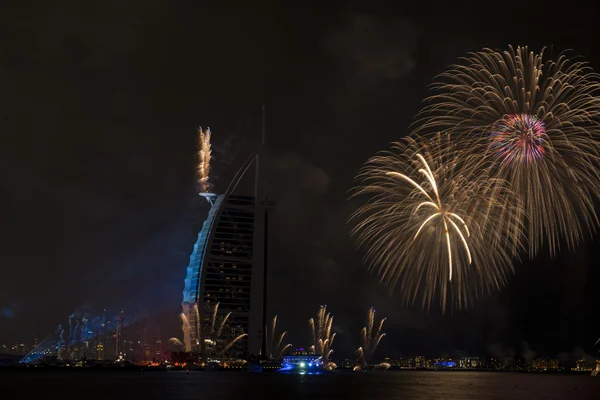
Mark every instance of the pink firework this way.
pixel 519 138
pixel 487 102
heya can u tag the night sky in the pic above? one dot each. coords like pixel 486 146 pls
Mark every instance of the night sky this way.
pixel 100 102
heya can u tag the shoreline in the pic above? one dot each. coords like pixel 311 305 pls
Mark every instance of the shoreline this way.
pixel 45 368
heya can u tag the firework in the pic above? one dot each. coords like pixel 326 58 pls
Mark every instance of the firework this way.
pixel 196 314
pixel 537 120
pixel 519 139
pixel 274 349
pixel 322 337
pixel 382 366
pixel 186 332
pixel 177 344
pixel 435 221
pixel 204 156
pixel 210 338
pixel 370 340
pixel 214 343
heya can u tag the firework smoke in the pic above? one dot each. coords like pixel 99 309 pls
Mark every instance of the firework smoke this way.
pixel 322 337
pixel 537 121
pixel 435 221
pixel 370 340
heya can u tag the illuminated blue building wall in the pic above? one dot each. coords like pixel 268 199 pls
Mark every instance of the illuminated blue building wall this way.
pixel 444 364
pixel 191 290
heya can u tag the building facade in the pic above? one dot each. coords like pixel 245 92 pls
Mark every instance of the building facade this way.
pixel 545 364
pixel 586 365
pixel 228 269
pixel 471 362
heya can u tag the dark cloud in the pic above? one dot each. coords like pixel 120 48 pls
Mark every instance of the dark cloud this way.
pixel 372 50
pixel 499 351
pixel 571 357
pixel 10 310
pixel 526 352
pixel 301 175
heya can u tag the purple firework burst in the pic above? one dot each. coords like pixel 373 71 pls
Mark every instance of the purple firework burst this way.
pixel 519 138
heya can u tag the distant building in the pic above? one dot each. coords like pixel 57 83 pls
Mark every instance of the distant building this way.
pixel 495 363
pixel 587 365
pixel 406 362
pixel 394 362
pixel 9 359
pixel 420 362
pixel 441 363
pixel 545 364
pixel 471 362
pixel 17 348
pixel 518 363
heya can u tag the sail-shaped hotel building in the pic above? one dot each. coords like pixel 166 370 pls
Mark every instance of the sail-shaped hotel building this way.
pixel 226 265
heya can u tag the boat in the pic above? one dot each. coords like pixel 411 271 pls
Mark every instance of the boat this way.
pixel 302 362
